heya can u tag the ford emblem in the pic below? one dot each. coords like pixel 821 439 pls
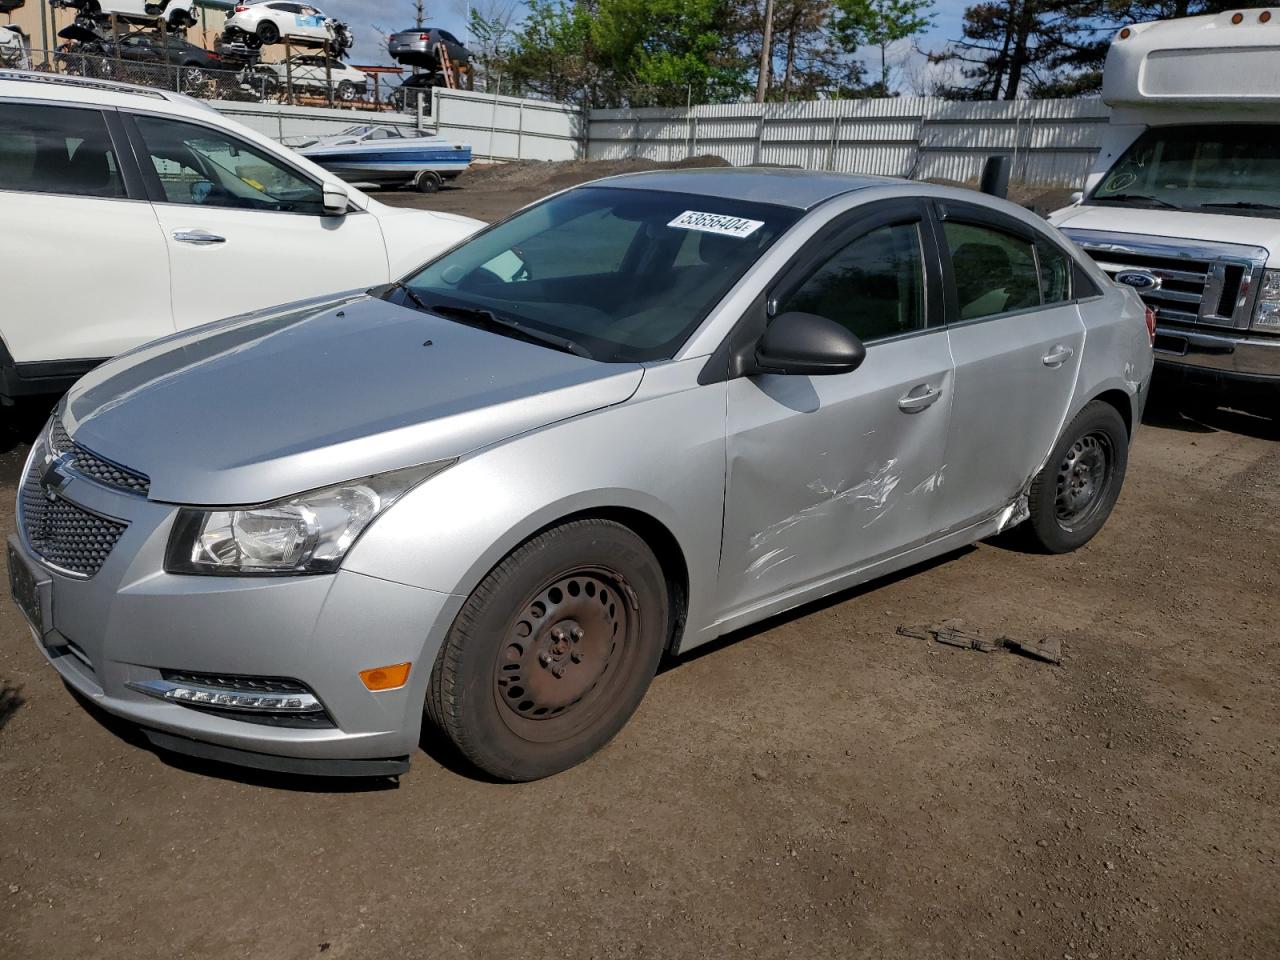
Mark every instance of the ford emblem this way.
pixel 1140 280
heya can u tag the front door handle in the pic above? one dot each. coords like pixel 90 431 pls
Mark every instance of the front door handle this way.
pixel 918 398
pixel 201 238
pixel 1057 356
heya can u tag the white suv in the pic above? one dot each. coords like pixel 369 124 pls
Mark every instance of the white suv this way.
pixel 130 213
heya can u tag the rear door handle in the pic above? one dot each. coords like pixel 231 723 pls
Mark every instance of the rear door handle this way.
pixel 918 398
pixel 1057 356
pixel 201 238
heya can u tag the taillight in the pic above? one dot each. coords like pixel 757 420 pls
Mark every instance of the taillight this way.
pixel 241 8
pixel 1151 323
pixel 424 36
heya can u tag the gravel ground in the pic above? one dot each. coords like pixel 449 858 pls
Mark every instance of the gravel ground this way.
pixel 815 787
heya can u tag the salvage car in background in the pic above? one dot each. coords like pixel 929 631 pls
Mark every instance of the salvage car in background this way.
pixel 629 419
pixel 178 14
pixel 308 74
pixel 137 58
pixel 419 47
pixel 166 215
pixel 261 23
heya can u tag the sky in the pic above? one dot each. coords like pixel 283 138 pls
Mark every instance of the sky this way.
pixel 365 16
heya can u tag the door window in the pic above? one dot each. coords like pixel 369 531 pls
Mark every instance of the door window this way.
pixel 874 285
pixel 1055 273
pixel 201 166
pixel 995 272
pixel 47 149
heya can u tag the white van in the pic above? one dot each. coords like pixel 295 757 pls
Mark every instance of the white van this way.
pixel 1183 202
pixel 128 213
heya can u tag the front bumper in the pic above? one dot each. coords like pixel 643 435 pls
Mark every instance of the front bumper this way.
pixel 1225 354
pixel 109 634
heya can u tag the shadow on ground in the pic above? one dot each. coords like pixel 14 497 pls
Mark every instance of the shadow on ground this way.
pixel 11 700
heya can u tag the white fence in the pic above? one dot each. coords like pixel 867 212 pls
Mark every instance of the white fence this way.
pixel 498 128
pixel 508 128
pixel 1053 142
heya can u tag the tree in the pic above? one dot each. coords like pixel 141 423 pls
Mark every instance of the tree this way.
pixel 1008 41
pixel 491 29
pixel 878 23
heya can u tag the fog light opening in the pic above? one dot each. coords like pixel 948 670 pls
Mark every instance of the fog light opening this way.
pixel 385 678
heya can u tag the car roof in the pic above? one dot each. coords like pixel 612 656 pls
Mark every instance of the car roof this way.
pixel 86 90
pixel 782 186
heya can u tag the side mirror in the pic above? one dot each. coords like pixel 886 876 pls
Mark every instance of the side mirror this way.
pixel 1076 197
pixel 805 343
pixel 336 199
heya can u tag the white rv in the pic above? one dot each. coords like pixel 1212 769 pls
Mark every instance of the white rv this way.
pixel 1183 202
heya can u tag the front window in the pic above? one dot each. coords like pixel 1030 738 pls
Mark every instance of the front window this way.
pixel 624 275
pixel 197 165
pixel 1209 168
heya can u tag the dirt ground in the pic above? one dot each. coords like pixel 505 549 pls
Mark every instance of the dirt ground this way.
pixel 492 191
pixel 815 787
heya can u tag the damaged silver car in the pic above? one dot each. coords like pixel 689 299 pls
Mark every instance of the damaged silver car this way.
pixel 628 419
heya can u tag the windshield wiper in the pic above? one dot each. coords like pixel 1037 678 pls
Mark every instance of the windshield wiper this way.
pixel 491 319
pixel 408 292
pixel 1144 198
pixel 1244 205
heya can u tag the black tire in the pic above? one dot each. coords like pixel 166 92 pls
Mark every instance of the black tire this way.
pixel 553 652
pixel 268 33
pixel 427 181
pixel 1073 495
pixel 346 90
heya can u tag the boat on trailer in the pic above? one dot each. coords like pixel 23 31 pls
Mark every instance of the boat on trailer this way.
pixel 387 155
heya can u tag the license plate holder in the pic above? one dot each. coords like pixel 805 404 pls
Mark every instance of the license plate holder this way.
pixel 32 593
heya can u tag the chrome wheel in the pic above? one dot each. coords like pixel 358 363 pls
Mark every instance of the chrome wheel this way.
pixel 1083 479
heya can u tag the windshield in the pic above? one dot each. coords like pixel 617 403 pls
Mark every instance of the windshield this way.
pixel 1202 167
pixel 625 274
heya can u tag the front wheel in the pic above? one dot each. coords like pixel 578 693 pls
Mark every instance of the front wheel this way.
pixel 553 652
pixel 346 90
pixel 1073 494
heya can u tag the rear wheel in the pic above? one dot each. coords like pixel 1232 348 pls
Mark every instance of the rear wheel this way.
pixel 1073 495
pixel 268 33
pixel 346 90
pixel 553 652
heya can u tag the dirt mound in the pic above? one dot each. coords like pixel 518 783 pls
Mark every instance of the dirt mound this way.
pixel 551 175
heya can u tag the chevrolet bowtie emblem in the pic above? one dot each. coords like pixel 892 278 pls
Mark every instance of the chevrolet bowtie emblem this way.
pixel 55 477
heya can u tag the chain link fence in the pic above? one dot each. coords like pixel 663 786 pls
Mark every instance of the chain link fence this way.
pixel 305 80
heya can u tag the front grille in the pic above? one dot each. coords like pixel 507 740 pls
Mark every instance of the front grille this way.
pixel 1197 284
pixel 64 534
pixel 94 467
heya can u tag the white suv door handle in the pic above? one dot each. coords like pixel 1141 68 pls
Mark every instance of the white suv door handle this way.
pixel 201 238
pixel 1057 356
pixel 918 398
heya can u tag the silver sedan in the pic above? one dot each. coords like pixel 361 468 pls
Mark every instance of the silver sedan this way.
pixel 628 419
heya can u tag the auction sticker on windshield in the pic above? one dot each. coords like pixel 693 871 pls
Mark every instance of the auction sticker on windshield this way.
pixel 716 223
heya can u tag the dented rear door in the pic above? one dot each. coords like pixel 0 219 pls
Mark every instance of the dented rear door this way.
pixel 827 474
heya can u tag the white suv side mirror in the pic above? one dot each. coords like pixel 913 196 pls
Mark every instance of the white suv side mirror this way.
pixel 336 199
pixel 1076 197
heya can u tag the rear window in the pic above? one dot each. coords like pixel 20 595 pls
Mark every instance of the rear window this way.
pixel 45 149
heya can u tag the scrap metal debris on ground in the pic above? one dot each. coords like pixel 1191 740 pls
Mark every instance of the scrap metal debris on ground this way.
pixel 952 633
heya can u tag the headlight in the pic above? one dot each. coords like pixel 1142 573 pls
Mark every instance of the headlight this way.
pixel 1266 315
pixel 309 533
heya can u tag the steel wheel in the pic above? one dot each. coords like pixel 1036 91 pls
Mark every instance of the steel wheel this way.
pixel 1083 478
pixel 1074 492
pixel 552 651
pixel 555 664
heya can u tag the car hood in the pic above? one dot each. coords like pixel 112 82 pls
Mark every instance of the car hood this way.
pixel 274 403
pixel 1175 224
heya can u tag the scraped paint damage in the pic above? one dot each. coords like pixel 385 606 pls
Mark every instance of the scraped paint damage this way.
pixel 873 494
